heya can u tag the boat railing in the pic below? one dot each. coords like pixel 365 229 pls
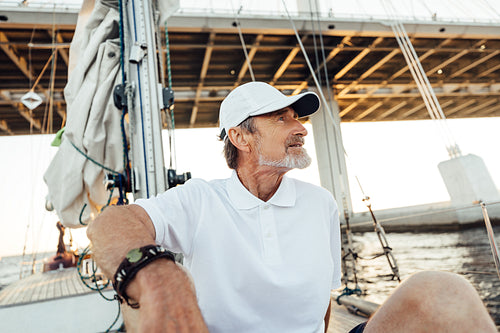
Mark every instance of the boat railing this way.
pixel 30 267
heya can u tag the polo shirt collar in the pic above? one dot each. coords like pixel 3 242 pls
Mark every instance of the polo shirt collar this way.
pixel 243 199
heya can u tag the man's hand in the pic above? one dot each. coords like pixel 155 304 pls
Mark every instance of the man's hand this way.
pixel 167 300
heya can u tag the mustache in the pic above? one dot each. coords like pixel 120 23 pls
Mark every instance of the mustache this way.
pixel 295 139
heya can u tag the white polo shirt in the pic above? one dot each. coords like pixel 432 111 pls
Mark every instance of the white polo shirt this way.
pixel 258 266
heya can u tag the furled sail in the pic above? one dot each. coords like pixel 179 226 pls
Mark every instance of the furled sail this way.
pixel 94 144
pixel 92 137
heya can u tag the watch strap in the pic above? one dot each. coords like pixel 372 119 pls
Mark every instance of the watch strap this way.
pixel 134 261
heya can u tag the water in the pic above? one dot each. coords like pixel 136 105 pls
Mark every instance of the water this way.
pixel 465 252
pixel 10 267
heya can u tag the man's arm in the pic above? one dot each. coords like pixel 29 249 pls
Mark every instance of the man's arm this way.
pixel 164 292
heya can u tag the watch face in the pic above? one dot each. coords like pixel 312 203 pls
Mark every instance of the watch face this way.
pixel 134 255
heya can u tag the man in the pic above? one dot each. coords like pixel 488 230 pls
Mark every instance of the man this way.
pixel 263 249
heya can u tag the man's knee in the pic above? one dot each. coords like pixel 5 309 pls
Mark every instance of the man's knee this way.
pixel 428 293
pixel 438 284
pixel 434 279
pixel 436 287
pixel 432 301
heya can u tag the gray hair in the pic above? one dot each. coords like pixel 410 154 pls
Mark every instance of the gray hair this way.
pixel 230 151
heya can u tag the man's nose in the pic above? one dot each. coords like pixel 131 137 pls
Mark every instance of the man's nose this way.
pixel 299 128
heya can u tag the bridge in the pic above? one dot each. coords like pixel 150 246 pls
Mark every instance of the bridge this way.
pixel 366 69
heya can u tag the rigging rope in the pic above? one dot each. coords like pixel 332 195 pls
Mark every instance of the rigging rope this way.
pixel 31 146
pixel 122 178
pixel 167 49
pixel 126 163
pixel 491 237
pixel 430 100
pixel 51 95
pixel 85 255
pixel 378 228
pixel 48 115
pixel 170 117
pixel 95 279
pixel 81 214
pixel 313 25
pixel 383 242
pixel 489 7
pixel 92 160
pixel 42 71
pixel 349 255
pixel 242 41
pixel 343 186
pixel 167 114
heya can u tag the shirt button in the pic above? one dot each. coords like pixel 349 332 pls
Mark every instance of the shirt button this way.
pixel 266 207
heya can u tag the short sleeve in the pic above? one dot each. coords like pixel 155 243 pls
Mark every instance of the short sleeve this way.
pixel 176 214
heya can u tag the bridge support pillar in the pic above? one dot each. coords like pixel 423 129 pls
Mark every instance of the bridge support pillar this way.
pixel 468 181
pixel 330 155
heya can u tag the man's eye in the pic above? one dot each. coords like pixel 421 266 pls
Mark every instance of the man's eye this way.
pixel 281 118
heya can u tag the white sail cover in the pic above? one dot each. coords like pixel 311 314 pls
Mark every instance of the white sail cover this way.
pixel 93 123
pixel 93 136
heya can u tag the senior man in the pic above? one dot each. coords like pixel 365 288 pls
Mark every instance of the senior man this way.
pixel 263 249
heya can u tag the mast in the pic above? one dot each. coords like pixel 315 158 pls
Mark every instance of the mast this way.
pixel 144 98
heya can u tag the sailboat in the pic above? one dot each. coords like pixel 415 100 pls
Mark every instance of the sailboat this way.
pixel 144 175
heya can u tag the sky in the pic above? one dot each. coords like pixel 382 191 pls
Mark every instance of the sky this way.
pixel 396 163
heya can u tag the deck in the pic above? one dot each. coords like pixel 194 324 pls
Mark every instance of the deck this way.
pixel 56 285
pixel 341 320
pixel 43 287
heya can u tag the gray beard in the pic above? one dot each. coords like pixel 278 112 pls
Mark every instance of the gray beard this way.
pixel 290 161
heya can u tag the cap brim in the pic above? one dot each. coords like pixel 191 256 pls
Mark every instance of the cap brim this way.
pixel 307 104
pixel 304 104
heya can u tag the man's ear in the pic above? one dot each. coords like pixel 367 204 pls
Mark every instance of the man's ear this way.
pixel 238 138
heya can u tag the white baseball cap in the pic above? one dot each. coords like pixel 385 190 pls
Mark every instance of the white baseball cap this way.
pixel 257 98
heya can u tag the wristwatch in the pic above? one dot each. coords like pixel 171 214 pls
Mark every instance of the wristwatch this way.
pixel 134 261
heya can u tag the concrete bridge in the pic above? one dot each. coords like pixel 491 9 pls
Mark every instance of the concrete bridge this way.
pixel 366 70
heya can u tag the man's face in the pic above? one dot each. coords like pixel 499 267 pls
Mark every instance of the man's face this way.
pixel 279 140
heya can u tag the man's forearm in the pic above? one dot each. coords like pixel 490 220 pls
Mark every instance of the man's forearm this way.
pixel 116 231
pixel 164 292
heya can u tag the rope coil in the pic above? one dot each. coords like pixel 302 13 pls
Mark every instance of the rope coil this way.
pixel 92 277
